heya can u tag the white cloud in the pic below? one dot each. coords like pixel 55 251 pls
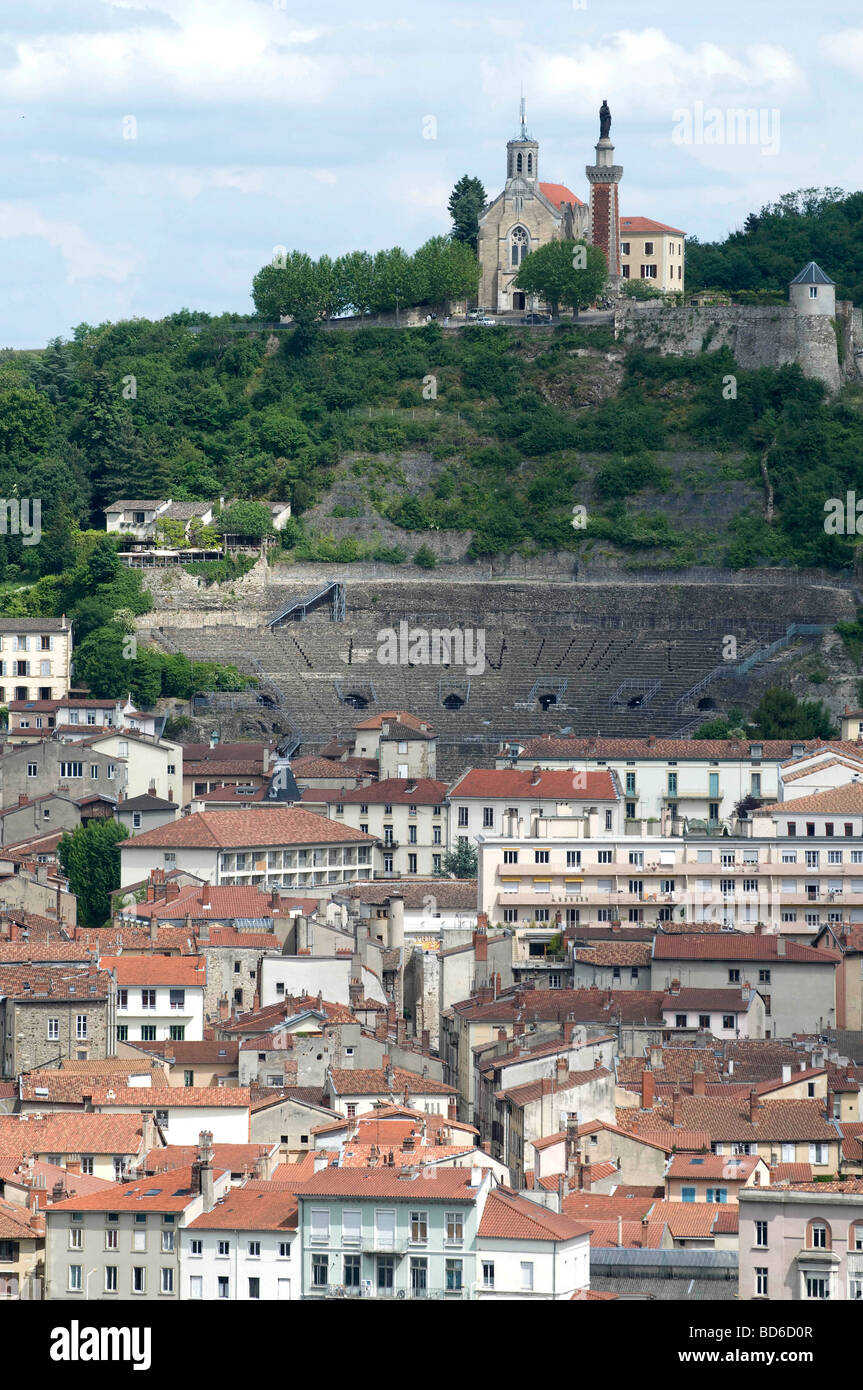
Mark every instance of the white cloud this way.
pixel 645 75
pixel 84 259
pixel 845 49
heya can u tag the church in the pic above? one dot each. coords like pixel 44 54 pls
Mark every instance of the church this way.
pixel 528 213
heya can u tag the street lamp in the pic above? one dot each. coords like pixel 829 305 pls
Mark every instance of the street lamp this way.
pixel 87 1282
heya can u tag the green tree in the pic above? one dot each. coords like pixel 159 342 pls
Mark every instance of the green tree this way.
pixel 292 287
pixel 445 269
pixel 779 714
pixel 466 202
pixel 550 273
pixel 100 663
pixel 461 862
pixel 247 519
pixel 640 289
pixel 90 859
pixel 354 275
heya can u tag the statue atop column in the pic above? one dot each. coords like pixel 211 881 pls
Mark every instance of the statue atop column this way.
pixel 604 120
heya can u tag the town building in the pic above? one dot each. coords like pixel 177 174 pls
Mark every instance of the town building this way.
pixel 802 1243
pixel 159 998
pixel 407 815
pixel 245 1248
pixel 35 658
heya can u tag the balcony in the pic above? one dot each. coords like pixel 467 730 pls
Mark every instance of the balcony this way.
pixel 380 1243
pixel 370 1290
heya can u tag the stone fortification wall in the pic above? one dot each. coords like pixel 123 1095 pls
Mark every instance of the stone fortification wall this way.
pixel 758 336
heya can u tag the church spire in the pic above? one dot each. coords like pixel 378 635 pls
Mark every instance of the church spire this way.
pixel 522 152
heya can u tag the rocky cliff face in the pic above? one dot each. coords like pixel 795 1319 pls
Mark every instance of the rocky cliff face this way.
pixel 763 336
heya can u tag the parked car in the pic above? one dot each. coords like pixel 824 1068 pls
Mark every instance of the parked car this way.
pixel 536 318
pixel 486 322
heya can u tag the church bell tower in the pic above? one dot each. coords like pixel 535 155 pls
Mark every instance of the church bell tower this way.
pixel 522 158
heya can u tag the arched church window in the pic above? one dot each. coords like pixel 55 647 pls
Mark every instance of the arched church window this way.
pixel 530 164
pixel 519 245
pixel 518 163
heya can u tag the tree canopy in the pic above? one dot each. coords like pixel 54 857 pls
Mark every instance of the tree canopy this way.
pixel 90 859
pixel 465 204
pixel 550 273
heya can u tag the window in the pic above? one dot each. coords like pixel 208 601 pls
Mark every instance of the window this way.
pixel 728 1021
pixel 80 1026
pixel 386 1267
pixel 87 1164
pixel 704 1021
pixel 680 1020
pixel 527 1274
pixel 75 1278
pixel 412 863
pixel 453 1276
pixel 519 240
pixel 111 1237
pixel 462 815
pixel 111 1278
pixel 419 1228
pixel 196 1286
pixel 630 784
pixel 32 769
pixel 488 817
pixel 764 977
pixel 254 1287
pixel 167 1278
pixel 756 784
pixel 817 1286
pixel 734 977
pixel 791 828
pixel 178 1032
pixel 454 1228
pixel 819 1235
pixel 760 1281
pixel 148 1032
pixel 285 1251
pixel 254 1249
pixel 167 1242
pixel 196 1246
pixel 687 1194
pixel 139 1279
pixel 71 769
pixel 761 1234
pixel 672 784
pixel 224 1286
pixel 320 1225
pixel 76 1239
pixel 178 999
pixel 573 858
pixel 717 1194
pixel 223 1247
pixel 818 1154
pixel 488 1274
pixel 540 856
pixel 604 856
pixel 510 856
pixel 351 1275
pixel 53 1029
pixel 148 999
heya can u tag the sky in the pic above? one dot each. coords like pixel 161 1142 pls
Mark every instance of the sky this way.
pixel 154 155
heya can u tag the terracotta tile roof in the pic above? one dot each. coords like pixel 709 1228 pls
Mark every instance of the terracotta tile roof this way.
pixel 228 830
pixel 35 952
pixel 225 902
pixel 729 1001
pixel 376 721
pixel 438 1185
pixel 790 1172
pixel 815 768
pixel 65 1086
pixel 115 1067
pixel 663 749
pixel 738 946
pixel 630 1235
pixel 355 1155
pixel 585 1005
pixel 852 1186
pixel 17 1173
pixel 606 1207
pixel 262 1096
pixel 318 766
pixel 678 1064
pixel 372 1082
pixel 400 791
pixel 615 953
pixel 844 800
pixel 203 752
pixel 448 892
pixel 646 224
pixel 531 1091
pixel 690 1220
pixel 491 1062
pixel 781 1120
pixel 242 1210
pixel 515 783
pixel 507 1216
pixel 712 1166
pixel 70 1132
pixel 187 971
pixel 558 193
pixel 171 1191
pixel 17 1223
pixel 239 1158
pixel 48 981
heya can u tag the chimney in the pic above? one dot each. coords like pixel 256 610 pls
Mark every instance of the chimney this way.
pixel 224 1009
pixel 676 1112
pixel 148 1130
pixel 648 1089
pixel 389 1074
pixel 562 1068
pixel 786 1074
pixel 675 987
pixel 568 1030
pixel 780 945
pixel 204 929
pixel 759 928
pixel 355 993
pixel 381 1027
pixel 754 1106
pixel 205 1162
pixel 452 1111
pixel 154 928
pixel 480 945
pixel 620 1232
pixel 425 1041
pixel 561 1189
pixel 698 1083
pixel 205 895
pixel 401 1032
pixel 535 777
pixel 320 1162
pixel 584 1178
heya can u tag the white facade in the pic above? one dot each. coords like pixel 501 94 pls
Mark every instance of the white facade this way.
pixel 210 1258
pixel 150 765
pixel 531 1268
pixel 281 975
pixel 149 1013
pixel 182 1124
